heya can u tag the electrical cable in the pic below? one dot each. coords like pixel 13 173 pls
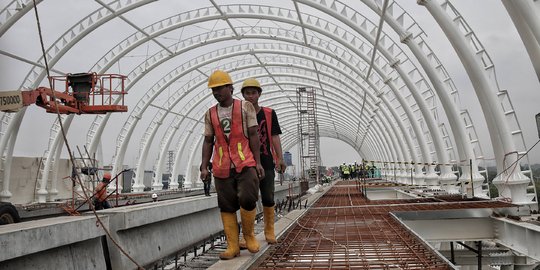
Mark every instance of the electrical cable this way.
pixel 511 165
pixel 72 160
pixel 513 169
pixel 375 46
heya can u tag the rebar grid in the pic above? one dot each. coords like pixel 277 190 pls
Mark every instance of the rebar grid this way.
pixel 363 235
pixel 370 183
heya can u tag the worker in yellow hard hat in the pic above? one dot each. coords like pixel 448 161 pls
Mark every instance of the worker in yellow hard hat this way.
pixel 271 153
pixel 231 127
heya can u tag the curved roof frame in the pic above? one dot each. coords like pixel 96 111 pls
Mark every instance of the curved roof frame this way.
pixel 335 7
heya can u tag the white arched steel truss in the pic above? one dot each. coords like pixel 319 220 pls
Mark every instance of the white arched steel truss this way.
pixel 410 97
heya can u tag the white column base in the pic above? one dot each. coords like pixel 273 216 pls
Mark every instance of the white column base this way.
pixel 42 196
pixel 419 179
pixel 5 195
pixel 138 188
pixel 466 187
pixel 174 186
pixel 53 195
pixel 513 186
pixel 432 180
pixel 157 186
pixel 448 183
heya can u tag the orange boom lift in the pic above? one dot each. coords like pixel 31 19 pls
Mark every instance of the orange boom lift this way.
pixel 79 93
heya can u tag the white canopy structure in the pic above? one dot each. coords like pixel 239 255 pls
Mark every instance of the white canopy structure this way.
pixel 381 88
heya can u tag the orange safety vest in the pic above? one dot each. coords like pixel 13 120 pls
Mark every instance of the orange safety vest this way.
pixel 268 116
pixel 234 149
pixel 101 191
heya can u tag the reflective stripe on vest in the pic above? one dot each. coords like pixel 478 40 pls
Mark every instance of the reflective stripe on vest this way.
pixel 239 154
pixel 268 117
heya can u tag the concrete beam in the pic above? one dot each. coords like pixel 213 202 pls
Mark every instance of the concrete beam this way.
pixel 149 232
pixel 158 230
pixel 73 242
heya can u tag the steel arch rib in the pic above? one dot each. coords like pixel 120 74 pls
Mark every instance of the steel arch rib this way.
pixel 486 89
pixel 11 19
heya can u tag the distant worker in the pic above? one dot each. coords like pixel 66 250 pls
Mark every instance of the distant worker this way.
pixel 353 170
pixel 359 171
pixel 100 196
pixel 208 181
pixel 271 153
pixel 236 161
pixel 346 172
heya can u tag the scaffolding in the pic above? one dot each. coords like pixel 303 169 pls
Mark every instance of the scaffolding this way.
pixel 170 161
pixel 308 132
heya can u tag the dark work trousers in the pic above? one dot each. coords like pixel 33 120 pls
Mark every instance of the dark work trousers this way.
pixel 267 187
pixel 101 205
pixel 239 190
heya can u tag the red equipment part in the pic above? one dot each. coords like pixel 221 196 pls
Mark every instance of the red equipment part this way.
pixel 80 93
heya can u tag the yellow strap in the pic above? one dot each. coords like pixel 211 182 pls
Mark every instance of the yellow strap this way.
pixel 220 155
pixel 242 157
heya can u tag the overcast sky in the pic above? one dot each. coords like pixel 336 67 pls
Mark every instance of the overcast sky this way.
pixel 488 18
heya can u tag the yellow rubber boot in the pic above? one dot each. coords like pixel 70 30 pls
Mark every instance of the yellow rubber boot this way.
pixel 242 243
pixel 269 234
pixel 230 226
pixel 248 224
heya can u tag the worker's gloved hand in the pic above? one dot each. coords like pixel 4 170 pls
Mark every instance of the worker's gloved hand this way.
pixel 260 171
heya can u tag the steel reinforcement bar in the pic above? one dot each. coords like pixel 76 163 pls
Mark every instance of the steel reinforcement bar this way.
pixel 345 230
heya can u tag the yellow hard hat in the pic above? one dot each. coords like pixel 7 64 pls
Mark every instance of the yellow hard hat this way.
pixel 219 78
pixel 251 82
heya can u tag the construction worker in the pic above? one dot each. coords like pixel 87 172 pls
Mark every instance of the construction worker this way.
pixel 346 172
pixel 236 161
pixel 100 196
pixel 271 153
